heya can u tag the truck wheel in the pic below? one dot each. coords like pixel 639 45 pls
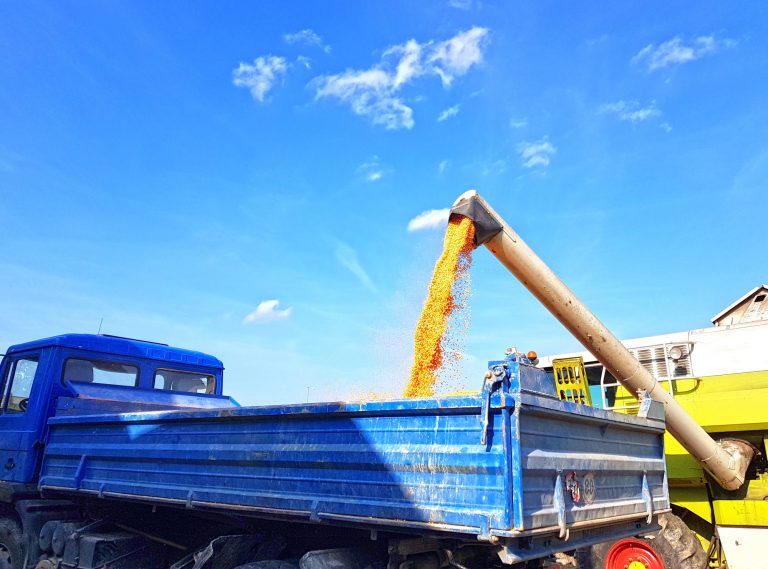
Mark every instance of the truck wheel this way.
pixel 11 548
pixel 675 546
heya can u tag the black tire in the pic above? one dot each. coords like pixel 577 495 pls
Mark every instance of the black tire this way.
pixel 269 564
pixel 11 545
pixel 676 545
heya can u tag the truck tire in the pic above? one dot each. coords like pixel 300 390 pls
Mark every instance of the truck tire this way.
pixel 266 564
pixel 11 545
pixel 675 546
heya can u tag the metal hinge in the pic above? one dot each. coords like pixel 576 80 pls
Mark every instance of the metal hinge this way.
pixel 494 378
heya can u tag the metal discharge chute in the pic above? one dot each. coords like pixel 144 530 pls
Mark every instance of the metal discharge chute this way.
pixel 726 460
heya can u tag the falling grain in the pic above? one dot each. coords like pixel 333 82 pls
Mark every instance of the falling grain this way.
pixel 447 296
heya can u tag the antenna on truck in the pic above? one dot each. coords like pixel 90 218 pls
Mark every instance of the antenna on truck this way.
pixel 100 323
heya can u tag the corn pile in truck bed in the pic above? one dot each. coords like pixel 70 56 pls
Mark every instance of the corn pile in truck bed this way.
pixel 447 295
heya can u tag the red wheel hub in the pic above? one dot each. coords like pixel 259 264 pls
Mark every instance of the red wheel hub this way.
pixel 633 554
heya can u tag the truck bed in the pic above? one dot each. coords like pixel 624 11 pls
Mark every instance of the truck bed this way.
pixel 415 465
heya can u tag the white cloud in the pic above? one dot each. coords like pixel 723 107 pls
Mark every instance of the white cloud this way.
pixel 372 170
pixel 376 92
pixel 493 167
pixel 432 219
pixel 538 153
pixel 454 57
pixel 409 64
pixel 347 258
pixel 260 76
pixel 460 4
pixel 677 52
pixel 369 93
pixel 666 127
pixel 597 40
pixel 442 166
pixel 518 123
pixel 631 111
pixel 267 311
pixel 448 113
pixel 305 61
pixel 307 37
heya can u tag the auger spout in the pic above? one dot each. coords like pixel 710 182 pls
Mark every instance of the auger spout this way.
pixel 726 460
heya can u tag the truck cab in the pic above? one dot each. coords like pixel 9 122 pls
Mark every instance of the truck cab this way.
pixel 94 374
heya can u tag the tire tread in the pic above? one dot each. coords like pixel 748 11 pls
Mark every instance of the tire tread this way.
pixel 676 543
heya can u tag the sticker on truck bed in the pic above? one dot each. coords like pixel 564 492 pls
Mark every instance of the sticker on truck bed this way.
pixel 572 486
pixel 588 488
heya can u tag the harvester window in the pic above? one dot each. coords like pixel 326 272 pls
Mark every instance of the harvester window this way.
pixel 93 371
pixel 17 393
pixel 595 373
pixel 185 381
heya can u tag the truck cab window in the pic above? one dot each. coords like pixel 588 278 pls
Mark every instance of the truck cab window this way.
pixel 189 382
pixel 17 390
pixel 93 371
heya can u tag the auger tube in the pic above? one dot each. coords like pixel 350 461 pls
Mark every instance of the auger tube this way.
pixel 726 460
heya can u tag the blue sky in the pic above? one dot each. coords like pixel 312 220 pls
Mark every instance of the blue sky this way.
pixel 240 179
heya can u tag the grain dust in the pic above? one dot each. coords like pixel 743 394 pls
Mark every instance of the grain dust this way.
pixel 434 342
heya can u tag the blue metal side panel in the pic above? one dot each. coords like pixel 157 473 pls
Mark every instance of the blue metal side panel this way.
pixel 605 458
pixel 416 461
pixel 408 463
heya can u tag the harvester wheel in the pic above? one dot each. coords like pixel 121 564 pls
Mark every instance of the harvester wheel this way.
pixel 11 548
pixel 675 546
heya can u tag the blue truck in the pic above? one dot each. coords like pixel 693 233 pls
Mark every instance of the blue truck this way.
pixel 126 454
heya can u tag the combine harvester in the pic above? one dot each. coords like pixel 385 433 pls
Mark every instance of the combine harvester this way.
pixel 716 484
pixel 720 376
pixel 122 454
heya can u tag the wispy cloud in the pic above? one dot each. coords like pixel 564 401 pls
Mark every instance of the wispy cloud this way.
pixel 369 93
pixel 536 154
pixel 454 57
pixel 372 170
pixel 518 123
pixel 460 4
pixel 307 37
pixel 267 311
pixel 260 76
pixel 677 52
pixel 593 41
pixel 304 61
pixel 347 258
pixel 631 111
pixel 431 219
pixel 375 93
pixel 492 167
pixel 448 113
pixel 442 166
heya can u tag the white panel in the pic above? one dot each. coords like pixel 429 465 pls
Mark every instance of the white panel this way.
pixel 720 351
pixel 714 351
pixel 744 547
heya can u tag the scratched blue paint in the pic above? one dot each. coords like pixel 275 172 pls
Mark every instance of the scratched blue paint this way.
pixel 409 463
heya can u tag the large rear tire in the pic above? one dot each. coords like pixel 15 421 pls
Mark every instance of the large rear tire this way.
pixel 11 545
pixel 675 546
